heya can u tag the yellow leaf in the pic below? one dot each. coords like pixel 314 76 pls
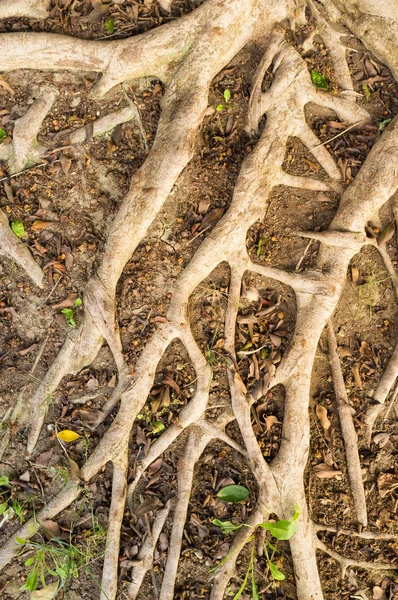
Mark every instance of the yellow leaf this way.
pixel 67 435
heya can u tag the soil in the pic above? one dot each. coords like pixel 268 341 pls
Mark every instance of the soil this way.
pixel 66 207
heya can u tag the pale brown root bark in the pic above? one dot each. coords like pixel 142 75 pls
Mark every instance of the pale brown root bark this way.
pixel 14 248
pixel 175 53
pixel 36 9
pixel 348 431
pixel 366 535
pixel 348 562
pixel 116 512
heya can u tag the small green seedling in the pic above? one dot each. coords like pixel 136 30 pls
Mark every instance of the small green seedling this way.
pixel 281 530
pixel 18 228
pixel 382 126
pixel 56 558
pixel 9 507
pixel 318 80
pixel 70 312
pixel 227 98
pixel 3 134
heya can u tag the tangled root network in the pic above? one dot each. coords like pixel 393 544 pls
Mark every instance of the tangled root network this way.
pixel 185 54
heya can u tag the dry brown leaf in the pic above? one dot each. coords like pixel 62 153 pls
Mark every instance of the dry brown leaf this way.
pixel 212 218
pixel 378 593
pixel 356 375
pixel 381 439
pixel 155 466
pixel 355 275
pixel 25 351
pixel 47 593
pixel 270 422
pixel 203 206
pixel 65 164
pixel 39 225
pixel 147 506
pixel 67 302
pixel 322 414
pixel 51 528
pixel 386 483
pixel 159 319
pixel 325 471
pixel 74 469
pixel 344 351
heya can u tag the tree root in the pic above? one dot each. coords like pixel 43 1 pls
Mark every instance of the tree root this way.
pixel 15 249
pixel 348 431
pixel 36 9
pixel 180 66
pixel 360 564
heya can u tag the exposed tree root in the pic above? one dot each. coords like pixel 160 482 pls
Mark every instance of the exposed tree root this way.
pixel 348 562
pixel 348 431
pixel 14 248
pixel 36 9
pixel 175 53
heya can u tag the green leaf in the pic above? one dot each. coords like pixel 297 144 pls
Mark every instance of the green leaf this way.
pixel 366 91
pixel 226 526
pixel 384 124
pixel 275 572
pixel 318 80
pixel 219 107
pixel 31 581
pixel 110 25
pixel 78 302
pixel 255 595
pixel 273 548
pixel 3 507
pixel 3 134
pixel 29 562
pixel 70 316
pixel 296 513
pixel 233 493
pixel 20 541
pixel 4 480
pixel 281 530
pixel 157 426
pixel 227 95
pixel 18 228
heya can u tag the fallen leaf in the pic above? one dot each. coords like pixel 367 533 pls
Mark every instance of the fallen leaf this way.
pixel 74 469
pixel 322 414
pixel 155 466
pixel 65 164
pixel 344 351
pixel 51 528
pixel 357 377
pixel 386 483
pixel 39 225
pixel 212 218
pixel 325 471
pixel 67 435
pixel 381 439
pixel 147 506
pixel 25 351
pixel 47 593
pixel 67 302
pixel 378 593
pixel 270 422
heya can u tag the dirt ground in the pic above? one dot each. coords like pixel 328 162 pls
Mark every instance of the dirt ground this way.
pixel 67 206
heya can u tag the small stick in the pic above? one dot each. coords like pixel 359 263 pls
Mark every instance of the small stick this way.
pixel 336 136
pixel 348 431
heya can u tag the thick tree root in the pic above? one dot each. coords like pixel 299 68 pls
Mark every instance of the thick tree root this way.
pixel 36 9
pixel 348 431
pixel 180 66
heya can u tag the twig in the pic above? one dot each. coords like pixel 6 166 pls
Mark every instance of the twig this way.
pixel 336 136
